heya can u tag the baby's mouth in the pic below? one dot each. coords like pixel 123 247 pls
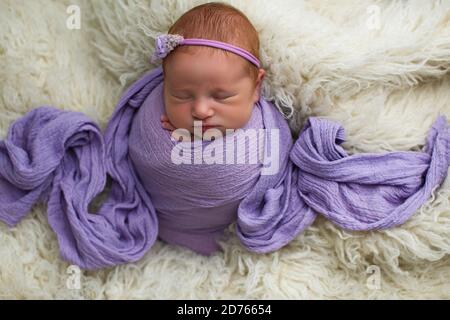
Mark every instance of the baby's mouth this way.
pixel 205 127
pixel 209 127
pixel 200 131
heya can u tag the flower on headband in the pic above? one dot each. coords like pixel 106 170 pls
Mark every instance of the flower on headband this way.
pixel 164 44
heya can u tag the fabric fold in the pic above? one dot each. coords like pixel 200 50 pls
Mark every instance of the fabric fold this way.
pixel 360 192
pixel 367 191
pixel 63 158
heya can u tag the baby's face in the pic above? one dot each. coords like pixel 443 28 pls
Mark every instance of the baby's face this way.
pixel 216 90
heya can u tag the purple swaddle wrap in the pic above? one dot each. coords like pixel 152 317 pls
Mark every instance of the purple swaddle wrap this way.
pixel 194 201
pixel 63 158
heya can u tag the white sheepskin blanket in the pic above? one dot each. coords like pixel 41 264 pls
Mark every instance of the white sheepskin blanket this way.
pixel 381 68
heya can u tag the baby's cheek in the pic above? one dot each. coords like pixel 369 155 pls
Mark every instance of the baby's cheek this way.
pixel 179 116
pixel 241 115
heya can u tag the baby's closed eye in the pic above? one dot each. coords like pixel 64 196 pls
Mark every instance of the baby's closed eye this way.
pixel 223 96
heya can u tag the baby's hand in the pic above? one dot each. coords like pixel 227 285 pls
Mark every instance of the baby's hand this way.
pixel 166 123
pixel 179 135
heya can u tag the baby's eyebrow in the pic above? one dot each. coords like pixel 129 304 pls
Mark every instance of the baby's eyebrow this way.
pixel 222 90
pixel 214 89
pixel 180 88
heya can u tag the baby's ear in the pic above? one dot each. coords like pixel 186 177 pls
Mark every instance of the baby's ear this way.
pixel 259 81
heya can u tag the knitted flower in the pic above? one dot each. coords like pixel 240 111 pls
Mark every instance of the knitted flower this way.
pixel 164 44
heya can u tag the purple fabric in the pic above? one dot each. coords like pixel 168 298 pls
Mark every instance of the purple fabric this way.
pixel 359 192
pixel 63 158
pixel 195 202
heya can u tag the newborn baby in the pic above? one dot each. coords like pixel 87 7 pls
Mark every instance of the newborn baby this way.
pixel 216 89
pixel 204 84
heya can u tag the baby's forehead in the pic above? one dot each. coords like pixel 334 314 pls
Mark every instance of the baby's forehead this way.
pixel 212 57
pixel 191 68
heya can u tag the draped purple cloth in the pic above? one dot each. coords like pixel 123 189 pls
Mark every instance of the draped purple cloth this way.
pixel 195 200
pixel 63 158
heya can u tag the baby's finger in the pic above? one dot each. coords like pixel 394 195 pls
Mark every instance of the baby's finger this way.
pixel 166 125
pixel 171 127
pixel 179 136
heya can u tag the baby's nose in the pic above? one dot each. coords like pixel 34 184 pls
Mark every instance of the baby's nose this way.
pixel 202 110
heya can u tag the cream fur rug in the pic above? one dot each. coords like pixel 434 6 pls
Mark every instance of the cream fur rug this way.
pixel 379 67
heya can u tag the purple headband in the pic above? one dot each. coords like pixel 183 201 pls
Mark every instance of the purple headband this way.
pixel 165 43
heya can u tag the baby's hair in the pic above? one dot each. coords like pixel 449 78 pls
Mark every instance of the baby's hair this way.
pixel 221 22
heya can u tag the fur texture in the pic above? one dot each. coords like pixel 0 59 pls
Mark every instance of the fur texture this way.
pixel 386 85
